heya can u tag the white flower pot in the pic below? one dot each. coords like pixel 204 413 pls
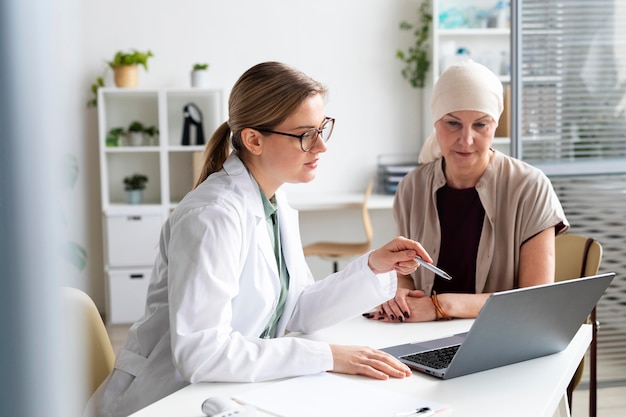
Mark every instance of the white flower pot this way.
pixel 134 196
pixel 199 78
pixel 135 138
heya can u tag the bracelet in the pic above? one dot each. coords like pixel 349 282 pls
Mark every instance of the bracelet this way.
pixel 439 311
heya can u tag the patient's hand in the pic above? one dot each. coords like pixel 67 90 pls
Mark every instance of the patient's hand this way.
pixel 407 306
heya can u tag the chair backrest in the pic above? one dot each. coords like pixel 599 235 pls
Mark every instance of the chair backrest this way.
pixel 96 357
pixel 570 255
pixel 367 222
pixel 571 252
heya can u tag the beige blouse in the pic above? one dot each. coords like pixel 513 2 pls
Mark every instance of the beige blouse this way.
pixel 519 202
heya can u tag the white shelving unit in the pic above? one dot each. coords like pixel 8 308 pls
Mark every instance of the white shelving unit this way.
pixel 131 232
pixel 470 25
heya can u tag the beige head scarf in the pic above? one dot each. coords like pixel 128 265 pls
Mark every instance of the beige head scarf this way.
pixel 464 86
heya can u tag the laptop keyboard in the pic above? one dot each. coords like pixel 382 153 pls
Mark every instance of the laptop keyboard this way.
pixel 438 358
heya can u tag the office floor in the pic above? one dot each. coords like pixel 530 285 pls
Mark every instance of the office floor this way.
pixel 611 396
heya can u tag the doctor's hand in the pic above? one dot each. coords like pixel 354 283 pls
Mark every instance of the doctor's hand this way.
pixel 399 255
pixel 359 360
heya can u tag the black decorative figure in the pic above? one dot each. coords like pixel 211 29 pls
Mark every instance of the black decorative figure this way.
pixel 193 116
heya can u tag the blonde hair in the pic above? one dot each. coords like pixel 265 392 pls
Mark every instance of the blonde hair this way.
pixel 263 97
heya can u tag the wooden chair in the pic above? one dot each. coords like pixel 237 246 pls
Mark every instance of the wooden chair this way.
pixel 335 251
pixel 92 353
pixel 579 256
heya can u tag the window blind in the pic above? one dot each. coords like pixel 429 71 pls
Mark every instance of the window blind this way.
pixel 573 83
pixel 569 119
pixel 594 206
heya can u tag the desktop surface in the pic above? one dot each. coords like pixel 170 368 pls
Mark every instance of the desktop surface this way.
pixel 501 391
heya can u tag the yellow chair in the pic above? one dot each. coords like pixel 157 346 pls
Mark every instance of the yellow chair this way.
pixel 335 251
pixel 579 256
pixel 93 357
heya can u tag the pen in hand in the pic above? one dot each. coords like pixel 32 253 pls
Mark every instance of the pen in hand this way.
pixel 421 412
pixel 433 268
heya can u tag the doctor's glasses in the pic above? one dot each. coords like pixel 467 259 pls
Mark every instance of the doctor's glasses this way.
pixel 309 138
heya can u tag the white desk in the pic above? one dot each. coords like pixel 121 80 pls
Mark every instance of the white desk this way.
pixel 531 388
pixel 320 202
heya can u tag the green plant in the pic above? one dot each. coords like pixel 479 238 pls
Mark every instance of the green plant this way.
pixel 416 59
pixel 135 182
pixel 139 127
pixel 136 127
pixel 200 67
pixel 131 58
pixel 113 137
pixel 94 89
pixel 151 131
pixel 120 59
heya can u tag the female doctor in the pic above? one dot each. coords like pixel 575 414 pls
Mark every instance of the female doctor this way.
pixel 230 278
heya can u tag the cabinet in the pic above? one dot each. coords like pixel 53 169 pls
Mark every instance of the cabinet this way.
pixel 131 231
pixel 478 30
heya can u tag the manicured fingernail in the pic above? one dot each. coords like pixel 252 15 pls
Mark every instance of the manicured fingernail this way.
pixel 368 315
pixel 381 318
pixel 392 317
pixel 406 314
pixel 401 319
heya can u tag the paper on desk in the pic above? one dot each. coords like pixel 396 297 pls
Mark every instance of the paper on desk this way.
pixel 331 395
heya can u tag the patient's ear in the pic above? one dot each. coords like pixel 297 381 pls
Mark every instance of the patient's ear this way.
pixel 252 140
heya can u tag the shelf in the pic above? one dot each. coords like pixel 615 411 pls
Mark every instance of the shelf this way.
pixel 132 229
pixel 120 209
pixel 171 168
pixel 181 148
pixel 453 40
pixel 475 32
pixel 131 149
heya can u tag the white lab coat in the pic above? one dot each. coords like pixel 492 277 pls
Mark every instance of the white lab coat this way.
pixel 213 289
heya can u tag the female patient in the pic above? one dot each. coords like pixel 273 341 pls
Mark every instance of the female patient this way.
pixel 230 278
pixel 487 219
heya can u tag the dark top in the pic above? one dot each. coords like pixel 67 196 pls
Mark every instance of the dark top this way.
pixel 461 218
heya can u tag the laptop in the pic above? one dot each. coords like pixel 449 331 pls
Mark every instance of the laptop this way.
pixel 512 326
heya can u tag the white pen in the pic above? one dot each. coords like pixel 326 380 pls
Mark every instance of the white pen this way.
pixel 421 412
pixel 433 268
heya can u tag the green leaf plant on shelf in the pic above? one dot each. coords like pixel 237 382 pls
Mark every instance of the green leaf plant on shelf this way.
pixel 135 134
pixel 135 182
pixel 200 75
pixel 200 67
pixel 416 57
pixel 134 186
pixel 125 66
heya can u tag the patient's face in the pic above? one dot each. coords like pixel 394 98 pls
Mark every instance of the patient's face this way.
pixel 465 138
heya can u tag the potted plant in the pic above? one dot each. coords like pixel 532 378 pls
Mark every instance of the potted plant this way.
pixel 135 134
pixel 134 186
pixel 151 132
pixel 416 60
pixel 200 75
pixel 125 67
pixel 113 137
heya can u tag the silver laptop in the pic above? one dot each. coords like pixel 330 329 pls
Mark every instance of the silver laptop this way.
pixel 512 326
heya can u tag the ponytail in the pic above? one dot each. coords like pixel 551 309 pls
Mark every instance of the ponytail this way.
pixel 215 153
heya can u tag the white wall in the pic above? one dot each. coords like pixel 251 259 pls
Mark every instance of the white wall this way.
pixel 349 45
